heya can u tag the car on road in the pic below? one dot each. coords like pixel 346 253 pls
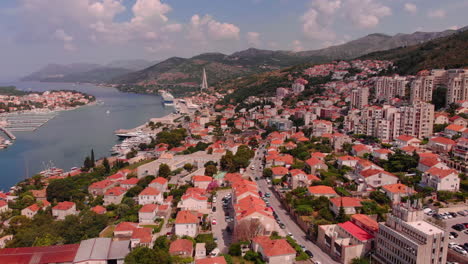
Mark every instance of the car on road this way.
pixel 268 195
pixel 213 222
pixel 309 253
pixel 169 234
pixel 214 209
pixel 282 226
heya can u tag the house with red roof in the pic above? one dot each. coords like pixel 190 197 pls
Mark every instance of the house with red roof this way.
pixel 278 172
pixel 405 140
pixel 301 179
pixel 374 178
pixel 114 195
pixel 396 191
pixel 425 164
pixel 39 255
pixel 360 149
pixel 99 209
pixel 182 248
pixel 150 195
pixel 441 144
pixel 124 230
pixel 381 153
pixel 194 202
pixel 345 241
pixel 129 183
pixel 349 204
pixel 366 222
pixel 119 176
pixel 186 224
pixel 32 210
pixel 458 120
pixel 349 161
pixel 314 164
pixel 452 130
pixel 147 214
pixel 3 206
pixel 211 260
pixel 275 251
pixel 441 179
pixel 322 190
pixel 39 195
pixel 159 184
pixel 201 181
pixel 100 187
pixel 142 237
pixel 320 127
pixel 63 209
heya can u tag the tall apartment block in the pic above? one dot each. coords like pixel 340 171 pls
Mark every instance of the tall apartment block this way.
pixel 390 87
pixel 417 120
pixel 457 85
pixel 406 239
pixel 422 88
pixel 360 97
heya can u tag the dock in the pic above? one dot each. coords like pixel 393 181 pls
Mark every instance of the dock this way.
pixel 8 133
pixel 26 121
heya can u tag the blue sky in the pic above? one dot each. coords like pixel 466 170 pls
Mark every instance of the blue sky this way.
pixel 38 32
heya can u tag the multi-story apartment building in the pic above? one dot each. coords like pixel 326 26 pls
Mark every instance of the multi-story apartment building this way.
pixel 390 87
pixel 360 97
pixel 417 120
pixel 389 122
pixel 406 238
pixel 422 88
pixel 457 86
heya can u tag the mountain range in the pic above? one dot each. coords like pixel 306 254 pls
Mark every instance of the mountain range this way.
pixel 186 72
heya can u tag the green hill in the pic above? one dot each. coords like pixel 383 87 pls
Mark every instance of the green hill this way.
pixel 447 52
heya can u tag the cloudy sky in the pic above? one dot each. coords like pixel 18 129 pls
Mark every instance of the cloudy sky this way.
pixel 36 32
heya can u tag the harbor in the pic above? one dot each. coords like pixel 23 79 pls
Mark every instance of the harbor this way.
pixel 26 122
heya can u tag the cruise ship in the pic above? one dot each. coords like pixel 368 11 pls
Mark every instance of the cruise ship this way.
pixel 167 97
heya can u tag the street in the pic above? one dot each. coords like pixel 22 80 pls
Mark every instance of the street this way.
pixel 219 230
pixel 291 226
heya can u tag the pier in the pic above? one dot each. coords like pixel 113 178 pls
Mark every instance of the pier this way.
pixel 8 133
pixel 26 121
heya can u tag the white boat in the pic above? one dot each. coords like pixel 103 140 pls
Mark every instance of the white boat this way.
pixel 107 112
pixel 168 99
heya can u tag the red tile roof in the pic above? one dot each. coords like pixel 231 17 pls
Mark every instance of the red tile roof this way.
pixel 347 157
pixel 396 188
pixel 98 209
pixel 366 221
pixel 214 260
pixel 186 217
pixel 346 201
pixel 201 178
pixel 160 180
pixel 429 162
pixel 131 181
pixel 39 255
pixel 443 140
pixel 321 189
pixel 181 245
pixel 279 170
pixel 275 247
pixel 356 231
pixel 295 172
pixel 125 226
pixel 3 203
pixel 405 138
pixel 456 128
pixel 361 147
pixel 64 206
pixel 441 173
pixel 101 184
pixel 148 208
pixel 144 234
pixel 149 191
pixel 313 162
pixel 115 191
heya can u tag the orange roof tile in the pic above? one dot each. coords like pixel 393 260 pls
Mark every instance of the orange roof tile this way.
pixel 274 247
pixel 441 173
pixel 115 191
pixel 346 201
pixel 181 245
pixel 144 234
pixel 213 260
pixel 186 217
pixel 64 206
pixel 125 226
pixel 456 128
pixel 202 178
pixel 98 209
pixel 396 188
pixel 150 191
pixel 148 208
pixel 366 221
pixel 279 170
pixel 321 189
pixel 160 180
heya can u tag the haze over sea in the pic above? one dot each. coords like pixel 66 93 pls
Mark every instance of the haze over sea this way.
pixel 68 138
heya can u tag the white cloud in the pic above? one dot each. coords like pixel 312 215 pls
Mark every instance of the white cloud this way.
pixel 253 39
pixel 438 13
pixel 366 13
pixel 411 8
pixel 202 29
pixel 297 46
pixel 67 40
pixel 313 29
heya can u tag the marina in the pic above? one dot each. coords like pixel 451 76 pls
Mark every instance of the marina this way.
pixel 26 122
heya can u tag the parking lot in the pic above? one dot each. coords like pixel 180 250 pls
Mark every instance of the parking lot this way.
pixel 462 237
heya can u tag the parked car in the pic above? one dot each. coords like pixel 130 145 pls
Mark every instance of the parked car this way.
pixel 268 195
pixel 309 253
pixel 454 234
pixel 213 222
pixel 214 209
pixel 282 226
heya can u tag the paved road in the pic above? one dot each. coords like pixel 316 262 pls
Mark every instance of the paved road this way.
pixel 219 230
pixel 291 226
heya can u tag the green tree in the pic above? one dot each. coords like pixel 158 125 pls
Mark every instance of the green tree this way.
pixel 227 162
pixel 360 261
pixel 106 165
pixel 267 173
pixel 188 167
pixel 211 170
pixel 92 158
pixel 164 170
pixel 235 249
pixel 142 255
pixel 341 217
